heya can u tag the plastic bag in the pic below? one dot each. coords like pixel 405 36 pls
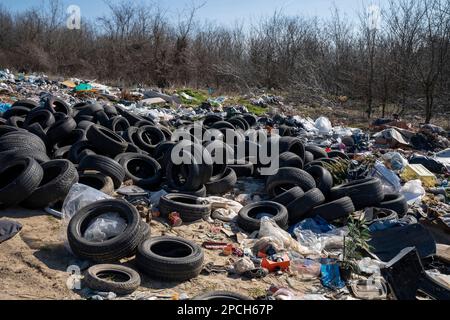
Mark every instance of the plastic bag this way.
pixel 309 235
pixel 323 124
pixel 106 226
pixel 395 161
pixel 413 191
pixel 271 231
pixel 79 196
pixel 389 180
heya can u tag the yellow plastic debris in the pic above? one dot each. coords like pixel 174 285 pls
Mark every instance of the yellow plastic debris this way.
pixel 418 171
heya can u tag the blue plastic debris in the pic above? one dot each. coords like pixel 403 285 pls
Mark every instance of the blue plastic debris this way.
pixel 330 275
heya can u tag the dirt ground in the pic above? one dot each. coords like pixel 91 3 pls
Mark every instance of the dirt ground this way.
pixel 33 264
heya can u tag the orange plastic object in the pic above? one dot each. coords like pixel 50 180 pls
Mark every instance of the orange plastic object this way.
pixel 273 266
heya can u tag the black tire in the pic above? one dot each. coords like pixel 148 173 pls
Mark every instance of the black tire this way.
pixel 247 220
pixel 61 153
pixel 17 122
pixel 323 178
pixel 289 196
pixel 185 177
pixel 27 103
pixel 190 208
pixel 61 130
pixel 59 177
pixel 18 179
pixel 316 151
pixel 205 162
pixel 131 118
pixel 112 278
pixel 239 122
pixel 37 130
pixel 331 211
pixel 170 258
pixel 287 178
pixel 106 141
pixel 294 145
pixel 97 181
pixel 16 111
pixel 223 185
pixel 242 168
pixel 44 117
pixel 104 165
pixel 217 149
pixel 143 170
pixel 223 125
pixel 111 250
pixel 299 209
pixel 55 104
pixel 6 156
pixel 250 118
pixel 364 193
pixel 110 110
pixel 73 137
pixel 309 157
pixel 102 118
pixel 79 150
pixel 118 124
pixel 338 154
pixel 395 202
pixel 220 296
pixel 198 193
pixel 84 125
pixel 22 140
pixel 211 119
pixel 166 131
pixel 148 137
pixel 289 159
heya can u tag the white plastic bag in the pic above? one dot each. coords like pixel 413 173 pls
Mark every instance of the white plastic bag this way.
pixel 323 124
pixel 106 226
pixel 413 192
pixel 271 231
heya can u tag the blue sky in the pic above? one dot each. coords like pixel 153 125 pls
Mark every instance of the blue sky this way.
pixel 221 11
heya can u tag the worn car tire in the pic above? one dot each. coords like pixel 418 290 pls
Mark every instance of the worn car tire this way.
pixel 364 193
pixel 128 279
pixel 287 178
pixel 247 220
pixel 395 202
pixel 111 250
pixel 104 165
pixel 289 159
pixel 59 177
pixel 97 180
pixel 316 151
pixel 223 185
pixel 106 141
pixel 289 196
pixel 299 208
pixel 323 178
pixel 242 168
pixel 170 258
pixel 143 170
pixel 334 210
pixel 190 208
pixel 294 145
pixel 220 296
pixel 18 179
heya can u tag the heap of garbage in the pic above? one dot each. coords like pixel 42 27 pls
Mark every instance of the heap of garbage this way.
pixel 357 210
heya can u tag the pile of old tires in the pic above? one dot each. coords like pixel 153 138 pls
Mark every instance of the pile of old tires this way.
pixel 47 147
